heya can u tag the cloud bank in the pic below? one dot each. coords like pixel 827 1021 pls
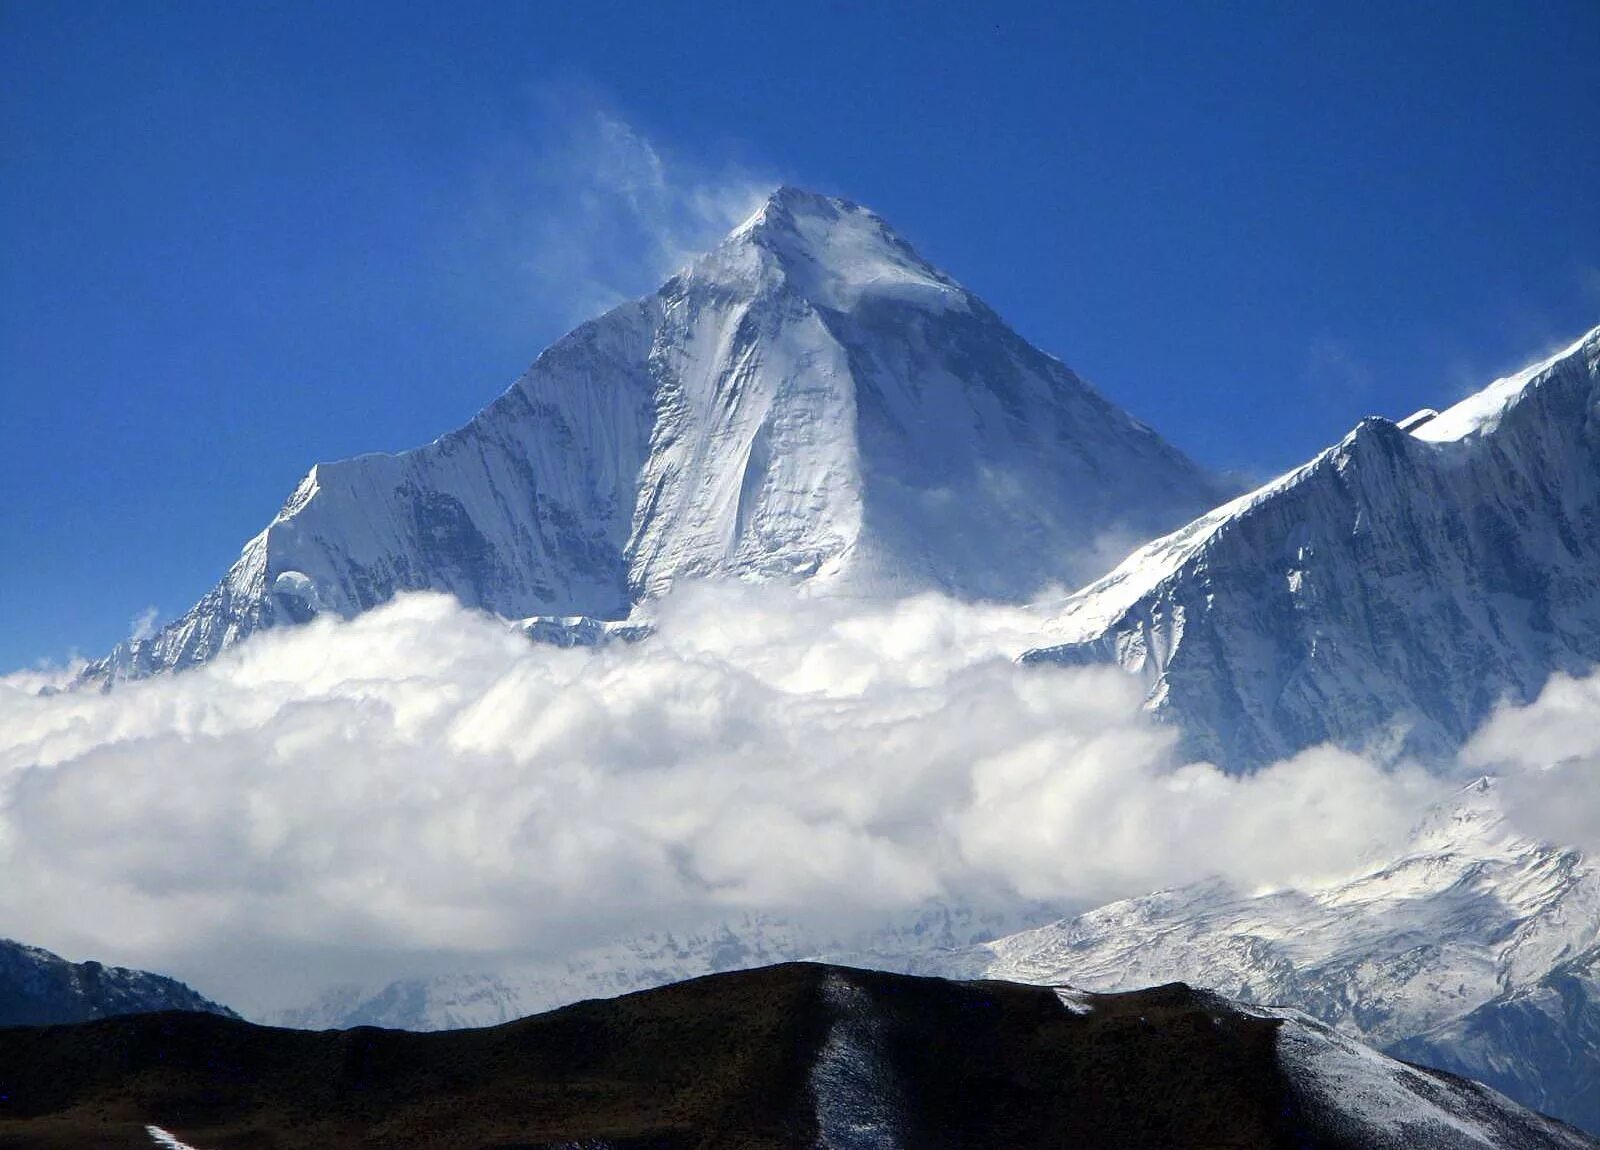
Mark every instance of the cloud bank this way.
pixel 423 781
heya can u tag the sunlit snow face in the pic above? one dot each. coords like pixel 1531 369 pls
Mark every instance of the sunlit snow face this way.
pixel 423 780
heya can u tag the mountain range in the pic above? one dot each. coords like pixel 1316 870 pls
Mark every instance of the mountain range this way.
pixel 1475 948
pixel 814 402
pixel 1386 595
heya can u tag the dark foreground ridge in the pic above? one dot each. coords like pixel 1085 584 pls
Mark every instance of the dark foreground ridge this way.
pixel 797 1055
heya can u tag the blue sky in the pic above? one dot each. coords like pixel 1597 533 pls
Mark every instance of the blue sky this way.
pixel 242 238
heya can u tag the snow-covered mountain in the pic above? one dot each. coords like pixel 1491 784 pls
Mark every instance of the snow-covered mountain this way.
pixel 38 987
pixel 809 400
pixel 1475 950
pixel 1387 594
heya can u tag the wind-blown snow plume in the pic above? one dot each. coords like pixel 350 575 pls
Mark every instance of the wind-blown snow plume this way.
pixel 593 211
pixel 422 781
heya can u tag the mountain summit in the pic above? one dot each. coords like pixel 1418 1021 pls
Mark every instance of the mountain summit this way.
pixel 811 400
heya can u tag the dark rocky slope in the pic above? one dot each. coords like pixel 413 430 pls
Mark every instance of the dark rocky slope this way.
pixel 799 1055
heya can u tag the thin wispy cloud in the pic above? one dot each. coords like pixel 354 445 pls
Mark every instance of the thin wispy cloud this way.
pixel 592 212
pixel 1588 277
pixel 143 625
pixel 1334 370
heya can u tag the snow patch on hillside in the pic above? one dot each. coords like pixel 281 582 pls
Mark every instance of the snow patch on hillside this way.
pixel 859 1103
pixel 165 1140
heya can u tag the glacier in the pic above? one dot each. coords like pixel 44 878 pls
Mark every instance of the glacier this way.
pixel 811 400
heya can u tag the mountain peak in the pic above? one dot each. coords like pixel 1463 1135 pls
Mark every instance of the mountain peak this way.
pixel 786 204
pixel 810 401
pixel 837 254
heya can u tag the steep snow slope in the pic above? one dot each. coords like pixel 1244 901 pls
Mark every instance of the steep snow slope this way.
pixel 1539 1043
pixel 1382 1104
pixel 1430 955
pixel 38 987
pixel 1385 595
pixel 810 400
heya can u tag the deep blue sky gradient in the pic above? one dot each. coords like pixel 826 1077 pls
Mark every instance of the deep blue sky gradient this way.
pixel 239 238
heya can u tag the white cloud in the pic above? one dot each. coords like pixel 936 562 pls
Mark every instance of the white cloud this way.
pixel 421 781
pixel 143 625
pixel 1550 753
pixel 1335 370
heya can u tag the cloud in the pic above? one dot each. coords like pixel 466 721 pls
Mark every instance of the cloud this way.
pixel 143 625
pixel 1334 369
pixel 1549 751
pixel 1588 277
pixel 44 678
pixel 591 212
pixel 422 781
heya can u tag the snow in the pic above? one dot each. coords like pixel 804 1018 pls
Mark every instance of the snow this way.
pixel 1361 1082
pixel 859 1103
pixel 1469 915
pixel 1094 608
pixel 1415 940
pixel 53 990
pixel 165 1140
pixel 1480 414
pixel 487 997
pixel 1076 1001
pixel 836 254
pixel 1390 1104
